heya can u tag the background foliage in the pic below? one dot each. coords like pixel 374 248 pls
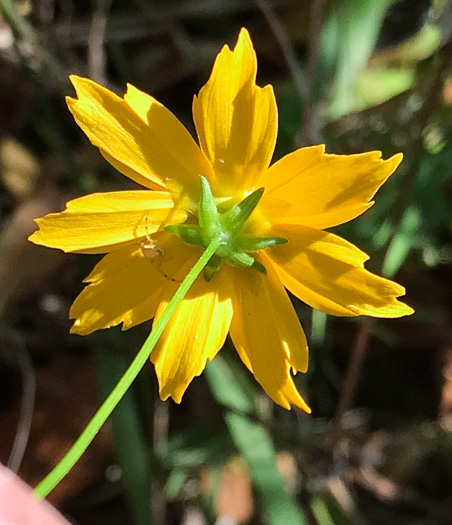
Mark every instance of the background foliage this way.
pixel 355 74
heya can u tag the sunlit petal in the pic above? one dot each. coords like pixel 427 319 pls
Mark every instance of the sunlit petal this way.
pixel 101 222
pixel 319 190
pixel 267 334
pixel 139 133
pixel 236 120
pixel 326 272
pixel 195 333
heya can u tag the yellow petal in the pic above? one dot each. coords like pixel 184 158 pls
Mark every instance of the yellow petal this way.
pixel 236 120
pixel 126 286
pixel 144 137
pixel 99 222
pixel 326 272
pixel 321 190
pixel 267 334
pixel 195 333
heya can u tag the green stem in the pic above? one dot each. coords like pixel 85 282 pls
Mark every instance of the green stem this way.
pixel 107 407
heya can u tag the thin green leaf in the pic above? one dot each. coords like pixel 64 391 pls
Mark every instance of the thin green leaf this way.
pixel 257 449
pixel 129 440
pixel 253 442
pixel 348 38
pixel 402 242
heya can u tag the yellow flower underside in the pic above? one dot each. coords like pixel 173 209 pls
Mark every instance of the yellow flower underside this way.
pixel 305 192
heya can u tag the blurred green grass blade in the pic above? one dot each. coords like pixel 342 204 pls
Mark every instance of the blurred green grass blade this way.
pixel 321 512
pixel 130 444
pixel 377 85
pixel 348 38
pixel 232 389
pixel 327 511
pixel 18 23
pixel 257 450
pixel 230 386
pixel 175 482
pixel 195 446
pixel 402 242
pixel 318 327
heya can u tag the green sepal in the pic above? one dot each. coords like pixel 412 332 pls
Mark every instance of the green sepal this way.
pixel 254 244
pixel 240 258
pixel 189 233
pixel 227 230
pixel 208 212
pixel 259 267
pixel 212 267
pixel 214 262
pixel 234 219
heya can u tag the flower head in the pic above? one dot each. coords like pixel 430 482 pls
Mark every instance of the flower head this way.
pixel 270 221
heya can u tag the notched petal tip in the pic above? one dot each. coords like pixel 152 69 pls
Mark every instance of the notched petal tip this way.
pixel 244 42
pixel 80 85
pixel 175 393
pixel 289 397
pixel 78 81
pixel 397 158
pixel 41 238
pixel 302 405
pixel 75 78
pixel 244 34
pixel 409 310
pixel 394 308
pixel 268 336
pixel 77 328
pixel 70 101
pixel 34 237
pixel 404 309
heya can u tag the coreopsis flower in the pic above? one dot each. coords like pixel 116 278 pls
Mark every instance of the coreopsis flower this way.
pixel 270 220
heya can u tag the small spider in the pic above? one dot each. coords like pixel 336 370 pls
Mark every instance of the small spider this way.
pixel 150 249
pixel 148 246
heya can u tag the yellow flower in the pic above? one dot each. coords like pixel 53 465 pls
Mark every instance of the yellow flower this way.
pixel 242 292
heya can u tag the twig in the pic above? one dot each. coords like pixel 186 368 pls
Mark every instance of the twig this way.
pixel 159 444
pixel 28 45
pixel 389 491
pixel 285 45
pixel 23 362
pixel 96 40
pixel 20 27
pixel 353 373
pixel 310 131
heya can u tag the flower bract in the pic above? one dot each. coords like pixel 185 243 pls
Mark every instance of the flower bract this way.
pixel 270 219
